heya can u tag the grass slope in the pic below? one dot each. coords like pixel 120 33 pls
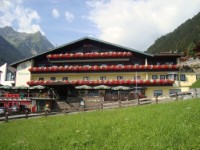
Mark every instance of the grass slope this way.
pixel 196 84
pixel 173 125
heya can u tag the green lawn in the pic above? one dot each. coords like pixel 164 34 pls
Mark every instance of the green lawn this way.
pixel 174 125
pixel 196 84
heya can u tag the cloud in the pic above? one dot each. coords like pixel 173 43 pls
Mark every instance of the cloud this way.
pixel 138 23
pixel 55 13
pixel 69 16
pixel 23 19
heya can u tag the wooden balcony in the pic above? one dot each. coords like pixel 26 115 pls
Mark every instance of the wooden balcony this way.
pixel 89 55
pixel 109 68
pixel 104 82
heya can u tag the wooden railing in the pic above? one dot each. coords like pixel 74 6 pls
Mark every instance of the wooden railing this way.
pixel 90 55
pixel 103 82
pixel 108 68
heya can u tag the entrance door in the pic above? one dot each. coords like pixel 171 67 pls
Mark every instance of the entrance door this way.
pixel 40 105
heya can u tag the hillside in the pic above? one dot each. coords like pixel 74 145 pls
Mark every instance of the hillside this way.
pixel 27 44
pixel 180 38
pixel 8 53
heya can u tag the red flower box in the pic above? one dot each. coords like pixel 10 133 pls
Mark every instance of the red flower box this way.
pixel 124 54
pixel 66 81
pixel 49 56
pixel 61 68
pixel 129 54
pixel 148 67
pixel 147 82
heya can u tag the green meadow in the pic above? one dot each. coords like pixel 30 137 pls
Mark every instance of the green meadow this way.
pixel 167 126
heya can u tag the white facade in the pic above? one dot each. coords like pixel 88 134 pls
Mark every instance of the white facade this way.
pixel 23 75
pixel 6 76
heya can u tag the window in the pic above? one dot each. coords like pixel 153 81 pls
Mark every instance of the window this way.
pixel 93 93
pixel 182 77
pixel 157 92
pixel 82 92
pixel 41 78
pixel 138 78
pixel 103 78
pixel 154 77
pixel 86 78
pixel 119 77
pixel 136 63
pixel 65 78
pixel 172 76
pixel 8 76
pixel 41 65
pixel 175 77
pixel 162 77
pixel 103 65
pixel 53 78
pixel 23 66
pixel 86 65
pixel 171 91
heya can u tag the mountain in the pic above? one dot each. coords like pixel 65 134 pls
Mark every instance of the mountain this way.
pixel 180 39
pixel 27 44
pixel 8 53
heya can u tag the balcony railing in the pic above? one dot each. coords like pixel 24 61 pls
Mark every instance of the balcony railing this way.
pixel 104 68
pixel 90 55
pixel 104 82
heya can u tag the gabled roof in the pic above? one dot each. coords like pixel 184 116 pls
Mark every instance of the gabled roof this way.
pixel 79 40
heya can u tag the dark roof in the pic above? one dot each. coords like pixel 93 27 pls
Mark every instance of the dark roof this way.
pixel 73 42
pixel 169 54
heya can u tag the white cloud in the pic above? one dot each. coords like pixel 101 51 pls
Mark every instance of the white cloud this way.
pixel 24 19
pixel 55 13
pixel 137 23
pixel 69 16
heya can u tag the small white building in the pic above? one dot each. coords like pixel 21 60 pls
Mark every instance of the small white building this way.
pixel 8 74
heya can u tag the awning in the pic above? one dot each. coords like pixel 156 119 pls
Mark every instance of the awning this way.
pixel 120 88
pixel 5 87
pixel 39 87
pixel 84 87
pixel 22 87
pixel 102 87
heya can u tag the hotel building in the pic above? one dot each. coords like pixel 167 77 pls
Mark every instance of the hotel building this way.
pixel 93 68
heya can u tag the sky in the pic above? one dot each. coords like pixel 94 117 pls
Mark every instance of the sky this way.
pixel 131 23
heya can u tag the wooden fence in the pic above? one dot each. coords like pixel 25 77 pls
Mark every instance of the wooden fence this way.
pixel 86 107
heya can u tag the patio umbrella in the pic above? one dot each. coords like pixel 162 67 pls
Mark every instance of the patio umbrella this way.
pixel 39 87
pixel 103 87
pixel 5 87
pixel 84 87
pixel 120 88
pixel 21 87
